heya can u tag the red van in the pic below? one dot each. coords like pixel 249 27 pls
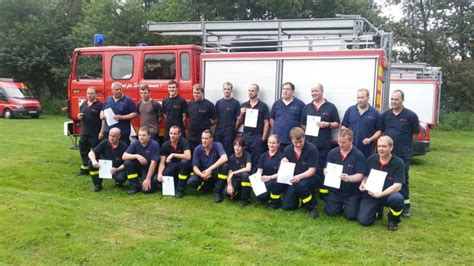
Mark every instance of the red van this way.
pixel 17 100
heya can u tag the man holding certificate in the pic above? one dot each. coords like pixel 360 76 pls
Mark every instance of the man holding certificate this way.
pixel 118 111
pixel 175 160
pixel 390 170
pixel 110 149
pixel 254 115
pixel 344 195
pixel 305 157
pixel 326 117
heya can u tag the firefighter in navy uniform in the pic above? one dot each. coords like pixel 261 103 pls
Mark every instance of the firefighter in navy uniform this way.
pixel 268 165
pixel 175 160
pixel 403 126
pixel 141 162
pixel 240 164
pixel 346 199
pixel 304 182
pixel 329 121
pixel 175 109
pixel 209 166
pixel 202 115
pixel 108 149
pixel 227 114
pixel 91 124
pixel 255 137
pixel 390 196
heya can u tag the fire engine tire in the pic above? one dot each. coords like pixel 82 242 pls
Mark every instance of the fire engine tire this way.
pixel 7 114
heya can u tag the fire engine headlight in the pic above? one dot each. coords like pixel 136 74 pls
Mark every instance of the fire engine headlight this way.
pixel 19 107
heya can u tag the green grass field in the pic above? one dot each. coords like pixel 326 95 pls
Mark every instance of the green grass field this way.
pixel 49 216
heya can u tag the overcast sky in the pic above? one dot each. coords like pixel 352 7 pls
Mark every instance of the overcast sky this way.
pixel 394 11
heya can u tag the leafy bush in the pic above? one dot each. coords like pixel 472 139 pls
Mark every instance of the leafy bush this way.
pixel 456 121
pixel 52 106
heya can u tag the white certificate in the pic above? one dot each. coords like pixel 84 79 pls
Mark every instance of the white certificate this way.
pixel 109 117
pixel 258 185
pixel 312 128
pixel 285 172
pixel 251 117
pixel 333 175
pixel 168 186
pixel 104 169
pixel 375 181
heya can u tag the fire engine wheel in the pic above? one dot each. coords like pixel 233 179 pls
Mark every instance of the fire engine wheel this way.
pixel 7 114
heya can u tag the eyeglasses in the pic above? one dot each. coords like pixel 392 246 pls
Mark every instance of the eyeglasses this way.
pixel 144 92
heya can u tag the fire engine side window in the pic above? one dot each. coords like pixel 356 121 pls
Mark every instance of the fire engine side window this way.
pixel 89 67
pixel 185 69
pixel 159 66
pixel 122 67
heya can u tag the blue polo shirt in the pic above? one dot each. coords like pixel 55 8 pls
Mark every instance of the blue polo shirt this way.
pixel 151 151
pixel 309 157
pixel 353 163
pixel 262 115
pixel 227 113
pixel 395 169
pixel 363 126
pixel 202 160
pixel 400 128
pixel 286 117
pixel 269 164
pixel 200 114
pixel 328 113
pixel 123 106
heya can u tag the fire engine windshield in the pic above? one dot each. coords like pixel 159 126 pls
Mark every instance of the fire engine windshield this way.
pixel 16 92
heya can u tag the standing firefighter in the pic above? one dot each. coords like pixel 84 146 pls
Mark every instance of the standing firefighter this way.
pixel 327 111
pixel 89 114
pixel 402 125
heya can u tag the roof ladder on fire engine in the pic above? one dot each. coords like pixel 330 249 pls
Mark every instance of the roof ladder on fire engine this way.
pixel 318 34
pixel 415 71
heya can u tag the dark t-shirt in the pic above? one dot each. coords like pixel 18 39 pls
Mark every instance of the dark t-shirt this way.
pixel 328 113
pixel 395 169
pixel 400 128
pixel 91 122
pixel 227 112
pixel 269 164
pixel 239 163
pixel 354 163
pixel 151 151
pixel 309 157
pixel 200 114
pixel 263 114
pixel 105 151
pixel 174 108
pixel 181 147
pixel 150 113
